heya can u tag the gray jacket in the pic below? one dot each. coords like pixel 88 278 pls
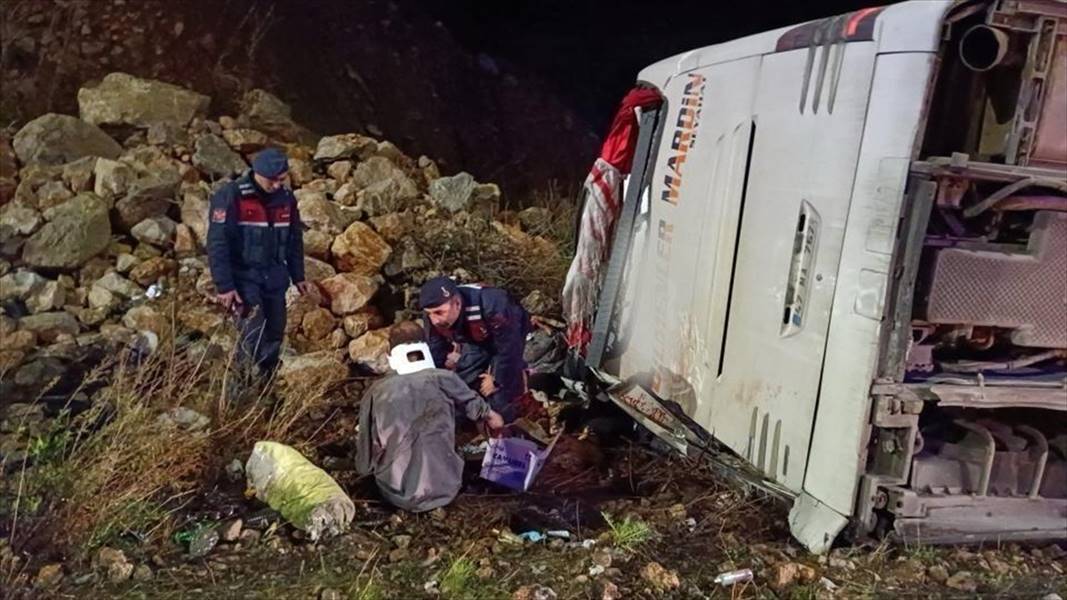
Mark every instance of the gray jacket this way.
pixel 407 436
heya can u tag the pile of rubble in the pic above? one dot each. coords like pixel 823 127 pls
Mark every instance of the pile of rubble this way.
pixel 103 221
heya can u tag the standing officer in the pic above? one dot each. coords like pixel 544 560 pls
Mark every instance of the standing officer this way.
pixel 255 248
pixel 479 332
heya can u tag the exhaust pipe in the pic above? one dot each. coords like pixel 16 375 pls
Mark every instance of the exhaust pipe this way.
pixel 983 47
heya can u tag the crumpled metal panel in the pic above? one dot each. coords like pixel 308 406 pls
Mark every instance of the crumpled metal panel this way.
pixel 1026 292
pixel 815 524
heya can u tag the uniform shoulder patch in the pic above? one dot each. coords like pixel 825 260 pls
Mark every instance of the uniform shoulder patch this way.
pixel 218 215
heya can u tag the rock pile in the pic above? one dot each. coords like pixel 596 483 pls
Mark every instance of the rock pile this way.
pixel 103 221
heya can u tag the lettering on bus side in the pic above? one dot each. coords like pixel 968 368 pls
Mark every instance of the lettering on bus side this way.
pixel 664 237
pixel 684 137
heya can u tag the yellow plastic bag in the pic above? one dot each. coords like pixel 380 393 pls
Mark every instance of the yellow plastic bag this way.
pixel 304 494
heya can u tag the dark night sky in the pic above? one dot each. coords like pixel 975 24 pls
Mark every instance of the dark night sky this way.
pixel 591 51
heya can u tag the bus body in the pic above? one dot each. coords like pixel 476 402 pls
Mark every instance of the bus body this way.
pixel 849 265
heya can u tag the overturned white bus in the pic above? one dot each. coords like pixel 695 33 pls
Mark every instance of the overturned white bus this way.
pixel 843 253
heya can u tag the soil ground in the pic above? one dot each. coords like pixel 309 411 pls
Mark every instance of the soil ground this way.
pixel 697 526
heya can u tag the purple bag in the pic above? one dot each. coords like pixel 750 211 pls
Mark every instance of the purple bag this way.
pixel 514 462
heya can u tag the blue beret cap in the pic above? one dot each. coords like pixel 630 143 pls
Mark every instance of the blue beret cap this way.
pixel 437 291
pixel 270 163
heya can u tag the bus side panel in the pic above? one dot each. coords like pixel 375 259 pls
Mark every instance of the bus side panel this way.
pixel 690 183
pixel 893 121
pixel 802 169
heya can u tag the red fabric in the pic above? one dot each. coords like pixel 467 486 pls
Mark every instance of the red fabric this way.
pixel 618 147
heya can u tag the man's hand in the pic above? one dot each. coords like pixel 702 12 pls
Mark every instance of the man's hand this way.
pixel 230 299
pixel 487 387
pixel 305 288
pixel 494 421
pixel 453 357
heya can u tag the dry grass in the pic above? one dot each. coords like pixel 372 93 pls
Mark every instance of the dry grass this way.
pixel 505 256
pixel 118 470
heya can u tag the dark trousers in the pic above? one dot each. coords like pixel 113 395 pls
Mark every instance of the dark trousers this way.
pixel 473 362
pixel 261 327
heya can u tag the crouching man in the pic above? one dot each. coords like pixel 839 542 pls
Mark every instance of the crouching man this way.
pixel 480 333
pixel 407 425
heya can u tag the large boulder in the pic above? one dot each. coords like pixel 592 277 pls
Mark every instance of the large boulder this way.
pixel 360 250
pixel 77 230
pixel 157 231
pixel 52 194
pixel 122 99
pixel 22 340
pixel 194 211
pixel 300 171
pixel 263 111
pixel 371 351
pixel 152 270
pixel 119 285
pixel 317 270
pixel 393 226
pixel 78 175
pixel 20 284
pixel 50 325
pixel 102 298
pixel 185 243
pixel 246 141
pixel 215 158
pixel 317 243
pixel 316 212
pixel 345 145
pixel 361 322
pixel 112 178
pixel 317 323
pixel 39 294
pixel 149 196
pixel 311 371
pixel 146 318
pixel 383 187
pixel 349 292
pixel 22 219
pixel 50 296
pixel 462 192
pixel 54 139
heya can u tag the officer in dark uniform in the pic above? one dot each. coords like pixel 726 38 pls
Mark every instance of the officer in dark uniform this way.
pixel 479 332
pixel 255 248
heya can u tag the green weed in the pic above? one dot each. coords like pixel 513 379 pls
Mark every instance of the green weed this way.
pixel 629 532
pixel 457 578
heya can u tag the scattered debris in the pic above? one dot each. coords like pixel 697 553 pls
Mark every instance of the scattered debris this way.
pixel 534 592
pixel 235 471
pixel 203 542
pixel 143 573
pixel 610 591
pixel 184 418
pixel 114 564
pixel 963 581
pixel 937 573
pixel 230 531
pixel 661 578
pixel 790 573
pixel 730 578
pixel 49 576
